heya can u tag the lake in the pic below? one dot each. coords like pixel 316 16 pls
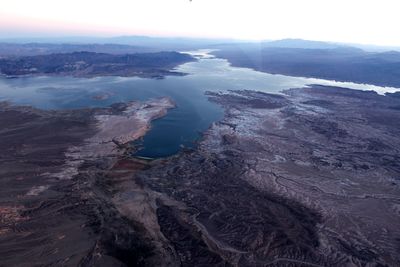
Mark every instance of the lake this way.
pixel 182 126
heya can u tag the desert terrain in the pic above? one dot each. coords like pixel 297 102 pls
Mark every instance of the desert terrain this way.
pixel 309 177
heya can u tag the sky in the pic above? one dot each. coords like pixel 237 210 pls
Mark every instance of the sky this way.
pixel 350 21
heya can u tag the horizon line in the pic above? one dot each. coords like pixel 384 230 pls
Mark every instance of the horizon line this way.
pixel 105 37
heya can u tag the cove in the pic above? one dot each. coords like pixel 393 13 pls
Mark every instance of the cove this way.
pixel 182 126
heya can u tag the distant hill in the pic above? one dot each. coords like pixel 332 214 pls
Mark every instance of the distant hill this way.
pixel 95 64
pixel 308 44
pixel 300 43
pixel 343 63
pixel 131 44
pixel 32 49
pixel 135 44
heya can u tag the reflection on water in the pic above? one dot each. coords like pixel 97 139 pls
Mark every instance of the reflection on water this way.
pixel 181 127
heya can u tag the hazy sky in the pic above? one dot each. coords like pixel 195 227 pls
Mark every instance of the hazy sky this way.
pixel 354 21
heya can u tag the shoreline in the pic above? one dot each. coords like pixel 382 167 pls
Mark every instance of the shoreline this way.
pixel 55 189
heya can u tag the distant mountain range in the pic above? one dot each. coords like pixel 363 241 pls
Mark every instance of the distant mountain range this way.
pixel 300 43
pixel 295 57
pixel 88 64
pixel 308 44
pixel 142 42
pixel 317 60
pixel 186 42
pixel 31 49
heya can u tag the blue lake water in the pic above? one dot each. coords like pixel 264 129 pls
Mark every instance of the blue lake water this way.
pixel 182 126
